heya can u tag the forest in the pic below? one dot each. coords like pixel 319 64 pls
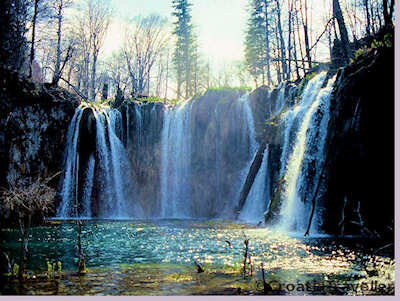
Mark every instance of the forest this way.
pixel 197 147
pixel 61 42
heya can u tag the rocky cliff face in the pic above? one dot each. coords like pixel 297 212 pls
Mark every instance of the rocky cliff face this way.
pixel 34 120
pixel 360 170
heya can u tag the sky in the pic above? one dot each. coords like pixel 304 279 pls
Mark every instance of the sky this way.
pixel 219 25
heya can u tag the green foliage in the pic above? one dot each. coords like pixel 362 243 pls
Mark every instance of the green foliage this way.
pixel 228 88
pixel 98 104
pixel 360 51
pixel 185 53
pixel 381 44
pixel 376 44
pixel 304 82
pixel 51 269
pixel 15 269
pixel 151 99
pixel 59 267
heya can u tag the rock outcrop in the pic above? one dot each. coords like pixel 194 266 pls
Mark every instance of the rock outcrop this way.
pixel 34 119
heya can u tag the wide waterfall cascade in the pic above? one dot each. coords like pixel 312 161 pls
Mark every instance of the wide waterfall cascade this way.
pixel 312 117
pixel 192 160
pixel 258 198
pixel 107 170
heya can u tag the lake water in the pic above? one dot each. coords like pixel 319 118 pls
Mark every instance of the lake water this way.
pixel 157 258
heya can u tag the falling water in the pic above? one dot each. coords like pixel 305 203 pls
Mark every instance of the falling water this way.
pixel 88 187
pixel 258 197
pixel 176 163
pixel 280 102
pixel 118 163
pixel 68 194
pixel 309 143
pixel 108 169
pixel 228 121
pixel 248 128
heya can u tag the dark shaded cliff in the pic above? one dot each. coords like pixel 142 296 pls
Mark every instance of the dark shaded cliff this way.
pixel 360 170
pixel 34 120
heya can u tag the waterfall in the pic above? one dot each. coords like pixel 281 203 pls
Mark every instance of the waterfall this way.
pixel 68 192
pixel 310 134
pixel 88 187
pixel 200 163
pixel 258 197
pixel 176 163
pixel 108 169
pixel 280 102
pixel 192 160
pixel 118 164
pixel 248 129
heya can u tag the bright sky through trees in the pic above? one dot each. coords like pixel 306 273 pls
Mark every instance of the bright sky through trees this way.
pixel 219 24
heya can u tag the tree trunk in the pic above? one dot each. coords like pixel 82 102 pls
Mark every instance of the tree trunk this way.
pixel 34 18
pixel 56 76
pixel 282 41
pixel 299 39
pixel 368 28
pixel 267 50
pixel 289 66
pixel 337 14
pixel 251 175
pixel 166 78
pixel 295 55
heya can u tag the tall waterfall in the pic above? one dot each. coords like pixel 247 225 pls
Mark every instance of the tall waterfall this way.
pixel 176 163
pixel 307 122
pixel 183 175
pixel 68 190
pixel 106 176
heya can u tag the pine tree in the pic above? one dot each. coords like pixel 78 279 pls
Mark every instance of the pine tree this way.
pixel 13 21
pixel 185 49
pixel 255 50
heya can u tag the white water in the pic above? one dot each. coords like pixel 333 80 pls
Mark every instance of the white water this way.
pixel 248 129
pixel 309 144
pixel 68 192
pixel 109 170
pixel 113 180
pixel 280 102
pixel 176 163
pixel 177 145
pixel 88 187
pixel 118 162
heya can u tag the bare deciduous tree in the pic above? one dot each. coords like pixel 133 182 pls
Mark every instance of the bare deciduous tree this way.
pixel 25 199
pixel 144 42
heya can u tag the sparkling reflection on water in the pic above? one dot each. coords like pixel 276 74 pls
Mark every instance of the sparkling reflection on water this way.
pixel 159 245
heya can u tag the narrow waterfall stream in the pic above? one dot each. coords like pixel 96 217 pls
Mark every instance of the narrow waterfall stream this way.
pixel 176 163
pixel 68 194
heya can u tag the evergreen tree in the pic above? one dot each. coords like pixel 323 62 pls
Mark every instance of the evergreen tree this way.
pixel 185 48
pixel 255 50
pixel 13 21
